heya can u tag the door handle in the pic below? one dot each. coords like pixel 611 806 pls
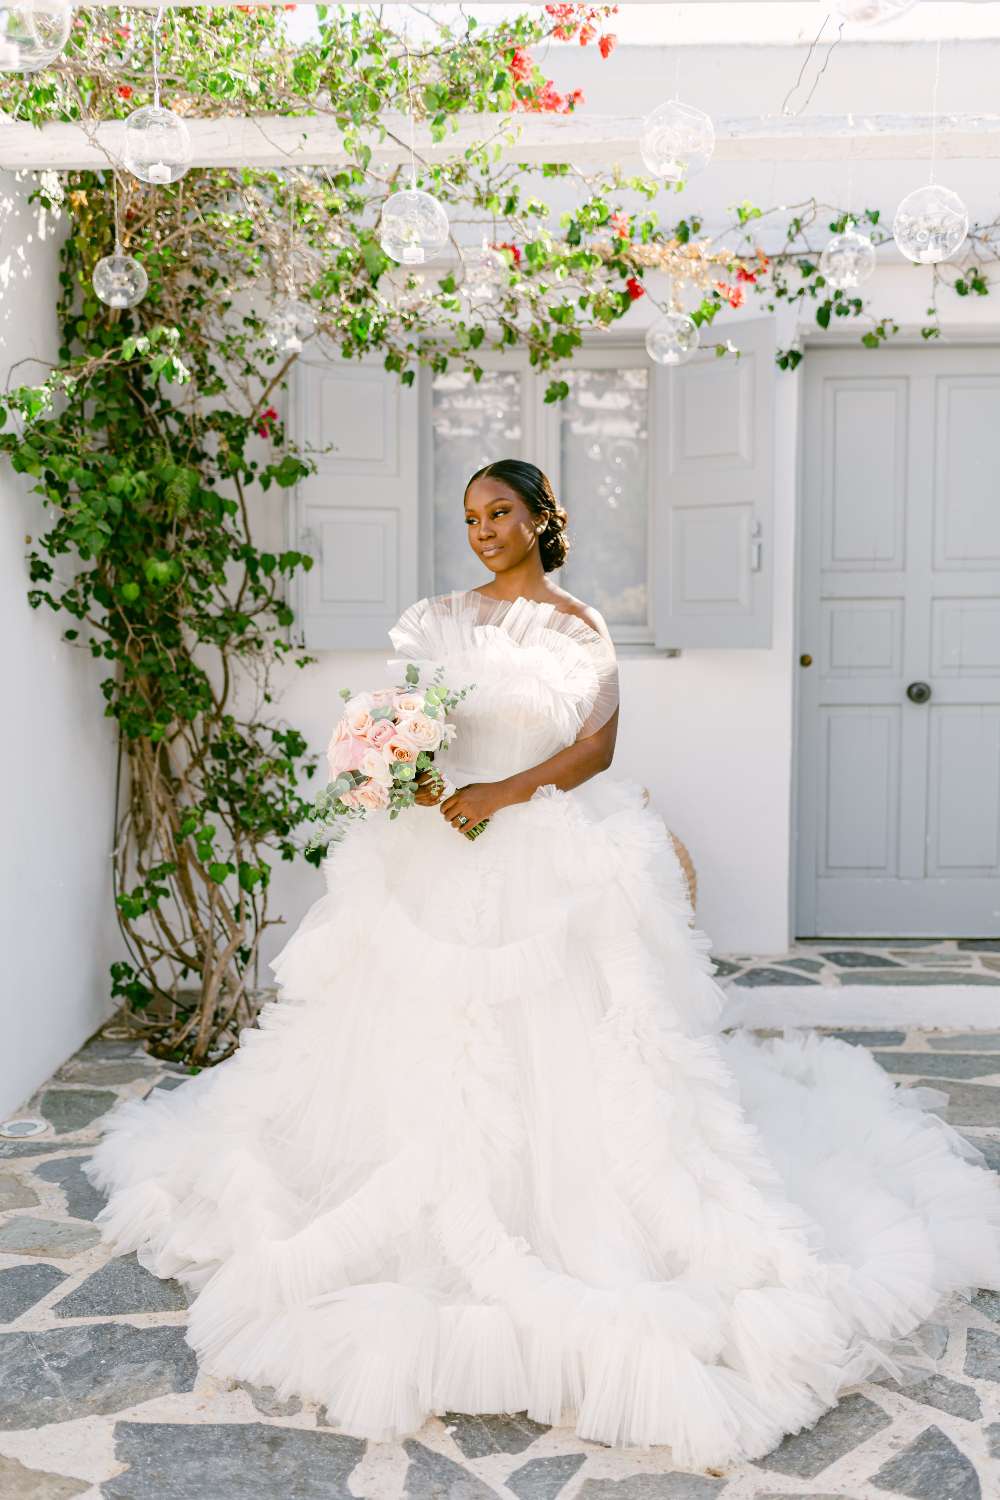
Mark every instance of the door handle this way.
pixel 756 547
pixel 919 692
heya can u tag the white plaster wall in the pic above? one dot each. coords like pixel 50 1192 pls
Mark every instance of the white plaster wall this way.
pixel 56 751
pixel 711 733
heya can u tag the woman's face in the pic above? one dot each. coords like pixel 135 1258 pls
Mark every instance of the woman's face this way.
pixel 502 530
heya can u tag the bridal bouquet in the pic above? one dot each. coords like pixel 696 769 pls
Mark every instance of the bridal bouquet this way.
pixel 382 743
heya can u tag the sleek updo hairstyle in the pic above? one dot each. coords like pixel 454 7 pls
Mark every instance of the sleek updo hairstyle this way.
pixel 535 489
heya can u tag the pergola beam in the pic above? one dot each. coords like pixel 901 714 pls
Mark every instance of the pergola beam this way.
pixel 583 139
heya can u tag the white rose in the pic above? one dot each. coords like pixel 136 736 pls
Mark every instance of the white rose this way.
pixel 424 731
pixel 409 703
pixel 373 764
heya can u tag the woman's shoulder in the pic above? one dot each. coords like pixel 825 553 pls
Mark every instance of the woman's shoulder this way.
pixel 579 608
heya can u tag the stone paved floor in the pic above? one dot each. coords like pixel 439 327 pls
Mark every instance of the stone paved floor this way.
pixel 836 962
pixel 101 1397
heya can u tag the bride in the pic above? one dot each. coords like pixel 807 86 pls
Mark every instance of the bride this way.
pixel 488 1151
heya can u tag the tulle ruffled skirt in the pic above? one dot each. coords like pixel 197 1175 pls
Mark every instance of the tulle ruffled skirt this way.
pixel 488 1152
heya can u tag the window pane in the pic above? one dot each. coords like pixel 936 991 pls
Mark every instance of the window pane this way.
pixel 474 424
pixel 605 489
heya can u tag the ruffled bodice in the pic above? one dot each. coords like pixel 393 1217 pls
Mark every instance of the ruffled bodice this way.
pixel 540 678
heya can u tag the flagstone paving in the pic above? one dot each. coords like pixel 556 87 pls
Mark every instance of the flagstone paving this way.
pixel 101 1398
pixel 834 962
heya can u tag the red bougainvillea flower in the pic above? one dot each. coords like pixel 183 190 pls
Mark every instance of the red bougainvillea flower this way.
pixel 587 34
pixel 763 260
pixel 607 44
pixel 744 275
pixel 521 66
pixel 506 245
pixel 264 421
pixel 635 289
pixel 620 224
pixel 732 294
pixel 124 91
pixel 548 100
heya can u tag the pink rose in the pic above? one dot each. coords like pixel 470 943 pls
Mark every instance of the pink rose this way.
pixel 399 749
pixel 380 733
pixel 382 697
pixel 358 721
pixel 373 796
pixel 350 798
pixel 344 754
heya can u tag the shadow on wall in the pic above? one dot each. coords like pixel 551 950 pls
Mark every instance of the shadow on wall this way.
pixel 57 752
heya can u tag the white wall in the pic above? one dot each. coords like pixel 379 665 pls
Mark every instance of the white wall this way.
pixel 56 752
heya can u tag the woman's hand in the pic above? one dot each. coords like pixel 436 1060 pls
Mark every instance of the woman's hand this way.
pixel 430 787
pixel 471 804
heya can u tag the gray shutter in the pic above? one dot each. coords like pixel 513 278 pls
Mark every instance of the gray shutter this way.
pixel 357 515
pixel 713 462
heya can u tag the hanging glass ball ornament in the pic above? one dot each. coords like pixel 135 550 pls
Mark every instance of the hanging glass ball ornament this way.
pixel 486 274
pixel 868 12
pixel 672 339
pixel 157 145
pixel 289 326
pixel 403 292
pixel 33 34
pixel 930 224
pixel 676 140
pixel 848 260
pixel 414 225
pixel 120 280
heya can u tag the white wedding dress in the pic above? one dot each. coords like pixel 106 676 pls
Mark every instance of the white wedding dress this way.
pixel 489 1151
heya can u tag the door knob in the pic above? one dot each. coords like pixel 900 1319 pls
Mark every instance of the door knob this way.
pixel 918 692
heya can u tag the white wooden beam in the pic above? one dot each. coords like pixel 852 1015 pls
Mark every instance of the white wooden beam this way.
pixel 583 139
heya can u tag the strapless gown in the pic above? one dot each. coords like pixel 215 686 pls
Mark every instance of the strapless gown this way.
pixel 489 1150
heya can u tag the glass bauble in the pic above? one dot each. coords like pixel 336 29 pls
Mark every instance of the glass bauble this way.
pixel 289 326
pixel 403 291
pixel 930 224
pixel 157 145
pixel 868 12
pixel 848 260
pixel 672 339
pixel 120 280
pixel 414 225
pixel 486 274
pixel 32 35
pixel 676 140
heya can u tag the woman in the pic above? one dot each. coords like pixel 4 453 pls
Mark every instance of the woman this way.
pixel 489 1152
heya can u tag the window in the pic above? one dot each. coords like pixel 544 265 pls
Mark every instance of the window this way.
pixel 594 447
pixel 473 422
pixel 666 475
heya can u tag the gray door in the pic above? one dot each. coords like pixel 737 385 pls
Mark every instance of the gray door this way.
pixel 899 711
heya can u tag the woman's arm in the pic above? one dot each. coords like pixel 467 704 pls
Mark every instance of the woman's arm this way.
pixel 566 769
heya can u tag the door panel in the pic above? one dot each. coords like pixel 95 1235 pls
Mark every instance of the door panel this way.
pixel 899 795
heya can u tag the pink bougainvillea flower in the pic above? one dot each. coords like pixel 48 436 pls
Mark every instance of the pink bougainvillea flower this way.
pixel 620 224
pixel 732 294
pixel 521 66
